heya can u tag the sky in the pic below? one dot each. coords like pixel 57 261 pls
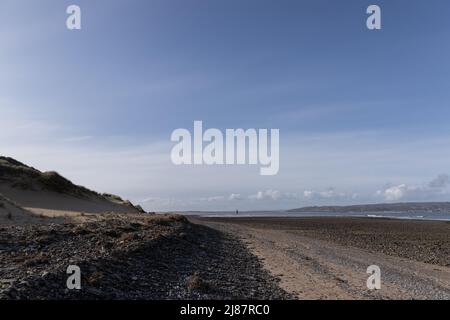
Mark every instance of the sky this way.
pixel 363 114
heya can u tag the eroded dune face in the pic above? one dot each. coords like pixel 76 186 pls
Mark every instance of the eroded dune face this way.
pixel 11 213
pixel 49 191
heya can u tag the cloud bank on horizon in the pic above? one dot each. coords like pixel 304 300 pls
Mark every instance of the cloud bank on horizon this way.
pixel 363 116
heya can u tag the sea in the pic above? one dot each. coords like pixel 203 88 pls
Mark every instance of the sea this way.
pixel 439 216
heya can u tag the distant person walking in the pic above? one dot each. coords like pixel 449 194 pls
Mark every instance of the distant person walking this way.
pixel 237 212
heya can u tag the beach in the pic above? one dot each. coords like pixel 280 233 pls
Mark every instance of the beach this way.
pixel 167 256
pixel 327 258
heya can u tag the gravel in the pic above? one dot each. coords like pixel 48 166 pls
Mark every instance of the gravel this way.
pixel 152 257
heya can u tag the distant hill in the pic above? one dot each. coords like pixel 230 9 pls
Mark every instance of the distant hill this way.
pixel 383 207
pixel 30 188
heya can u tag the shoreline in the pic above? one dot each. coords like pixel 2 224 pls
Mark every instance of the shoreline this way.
pixel 254 214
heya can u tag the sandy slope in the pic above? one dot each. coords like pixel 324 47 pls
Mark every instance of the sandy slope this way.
pixel 53 203
pixel 312 268
pixel 11 213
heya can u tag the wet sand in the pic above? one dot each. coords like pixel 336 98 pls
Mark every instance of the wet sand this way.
pixel 327 258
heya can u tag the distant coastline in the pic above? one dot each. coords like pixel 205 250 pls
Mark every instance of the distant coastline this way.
pixel 416 207
pixel 408 211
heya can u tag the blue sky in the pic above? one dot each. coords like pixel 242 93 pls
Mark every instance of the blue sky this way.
pixel 363 115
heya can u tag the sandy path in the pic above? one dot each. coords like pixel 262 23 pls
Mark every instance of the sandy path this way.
pixel 315 269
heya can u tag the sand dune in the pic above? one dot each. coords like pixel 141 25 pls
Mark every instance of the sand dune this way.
pixel 50 193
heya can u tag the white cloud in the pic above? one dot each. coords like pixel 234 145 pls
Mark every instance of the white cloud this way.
pixel 216 198
pixel 273 195
pixel 308 194
pixel 396 193
pixel 435 189
pixel 330 193
pixel 160 204
pixel 235 196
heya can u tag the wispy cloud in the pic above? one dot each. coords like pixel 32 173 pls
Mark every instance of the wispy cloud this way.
pixel 440 182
